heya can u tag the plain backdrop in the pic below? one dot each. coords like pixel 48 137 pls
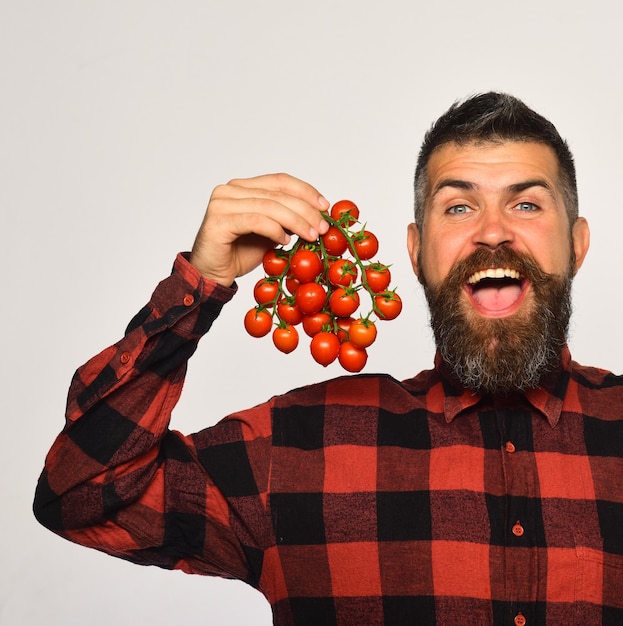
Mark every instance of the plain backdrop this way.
pixel 118 117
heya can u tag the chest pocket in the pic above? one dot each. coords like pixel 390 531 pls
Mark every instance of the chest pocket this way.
pixel 584 535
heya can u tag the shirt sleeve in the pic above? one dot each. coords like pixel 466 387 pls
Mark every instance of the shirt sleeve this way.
pixel 118 480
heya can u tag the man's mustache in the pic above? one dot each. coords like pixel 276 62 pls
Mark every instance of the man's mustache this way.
pixel 504 257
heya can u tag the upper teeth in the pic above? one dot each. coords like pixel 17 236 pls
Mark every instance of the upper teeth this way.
pixel 498 272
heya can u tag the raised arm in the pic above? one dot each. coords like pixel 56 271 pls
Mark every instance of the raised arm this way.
pixel 116 478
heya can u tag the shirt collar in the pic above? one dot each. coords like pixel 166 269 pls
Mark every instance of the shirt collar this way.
pixel 547 398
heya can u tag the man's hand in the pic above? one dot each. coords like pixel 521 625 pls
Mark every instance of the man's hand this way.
pixel 248 216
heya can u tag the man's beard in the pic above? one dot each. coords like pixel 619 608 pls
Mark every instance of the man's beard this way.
pixel 501 355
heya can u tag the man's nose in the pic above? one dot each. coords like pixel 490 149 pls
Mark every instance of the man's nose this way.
pixel 493 228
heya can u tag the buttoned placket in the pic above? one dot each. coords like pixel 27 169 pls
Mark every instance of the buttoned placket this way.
pixel 522 517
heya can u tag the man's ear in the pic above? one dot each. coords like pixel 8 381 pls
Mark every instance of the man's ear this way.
pixel 580 238
pixel 413 246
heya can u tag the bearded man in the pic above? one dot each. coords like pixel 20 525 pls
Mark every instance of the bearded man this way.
pixel 493 344
pixel 485 490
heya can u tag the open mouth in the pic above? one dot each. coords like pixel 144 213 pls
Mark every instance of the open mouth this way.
pixel 496 292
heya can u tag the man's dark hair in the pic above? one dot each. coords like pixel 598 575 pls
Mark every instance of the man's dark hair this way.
pixel 494 117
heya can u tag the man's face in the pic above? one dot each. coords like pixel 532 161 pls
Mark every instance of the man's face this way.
pixel 496 256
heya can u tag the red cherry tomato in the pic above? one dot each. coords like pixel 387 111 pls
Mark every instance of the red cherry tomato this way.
pixel 265 291
pixel 352 358
pixel 362 333
pixel 258 323
pixel 324 347
pixel 335 243
pixel 342 272
pixel 285 339
pixel 305 265
pixel 378 277
pixel 313 324
pixel 275 262
pixel 310 298
pixel 292 284
pixel 345 210
pixel 289 312
pixel 366 245
pixel 388 305
pixel 343 328
pixel 343 303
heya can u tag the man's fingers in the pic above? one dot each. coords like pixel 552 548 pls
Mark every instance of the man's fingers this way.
pixel 255 223
pixel 292 214
pixel 285 184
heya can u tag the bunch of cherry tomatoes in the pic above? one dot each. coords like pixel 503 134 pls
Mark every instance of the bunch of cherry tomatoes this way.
pixel 317 286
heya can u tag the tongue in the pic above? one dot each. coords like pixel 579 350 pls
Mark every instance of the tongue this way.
pixel 497 298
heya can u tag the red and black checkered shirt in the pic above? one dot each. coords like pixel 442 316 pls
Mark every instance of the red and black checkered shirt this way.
pixel 362 500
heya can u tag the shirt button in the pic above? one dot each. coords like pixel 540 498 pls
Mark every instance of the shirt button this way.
pixel 189 299
pixel 125 358
pixel 520 620
pixel 518 530
pixel 510 447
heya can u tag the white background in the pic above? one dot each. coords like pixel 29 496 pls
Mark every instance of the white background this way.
pixel 117 120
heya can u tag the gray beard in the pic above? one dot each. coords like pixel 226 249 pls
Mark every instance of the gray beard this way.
pixel 501 356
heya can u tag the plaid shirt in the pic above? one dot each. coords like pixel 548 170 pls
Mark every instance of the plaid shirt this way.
pixel 361 500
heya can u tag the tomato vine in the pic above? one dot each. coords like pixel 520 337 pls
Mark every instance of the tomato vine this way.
pixel 317 285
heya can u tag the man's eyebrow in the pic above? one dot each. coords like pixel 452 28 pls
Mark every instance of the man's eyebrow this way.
pixel 455 183
pixel 535 182
pixel 458 183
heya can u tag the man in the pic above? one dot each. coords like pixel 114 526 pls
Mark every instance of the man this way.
pixel 486 490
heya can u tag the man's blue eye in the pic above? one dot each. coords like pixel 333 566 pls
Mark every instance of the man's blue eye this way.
pixel 527 206
pixel 459 209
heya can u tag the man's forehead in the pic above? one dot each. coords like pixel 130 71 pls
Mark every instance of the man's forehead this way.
pixel 492 146
pixel 470 163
